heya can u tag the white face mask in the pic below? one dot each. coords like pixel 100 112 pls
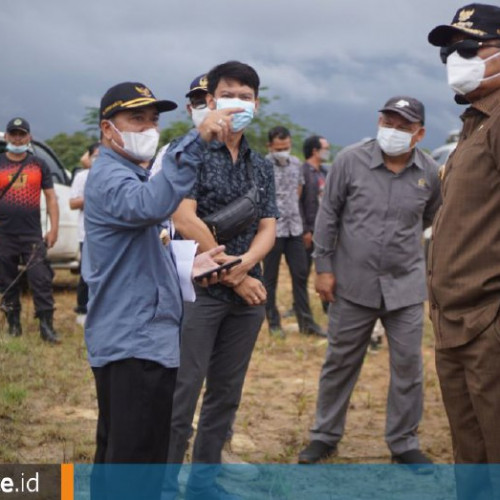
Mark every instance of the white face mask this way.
pixel 394 142
pixel 139 145
pixel 198 115
pixel 281 157
pixel 465 75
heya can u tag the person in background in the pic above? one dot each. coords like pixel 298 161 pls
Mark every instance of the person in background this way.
pixel 370 264
pixel 196 108
pixel 76 202
pixel 23 177
pixel 288 179
pixel 316 152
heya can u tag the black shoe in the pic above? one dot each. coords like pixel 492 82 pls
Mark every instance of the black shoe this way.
pixel 316 451
pixel 14 321
pixel 47 331
pixel 417 462
pixel 313 329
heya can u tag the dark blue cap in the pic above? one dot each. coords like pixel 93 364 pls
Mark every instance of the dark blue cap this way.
pixel 199 83
pixel 477 20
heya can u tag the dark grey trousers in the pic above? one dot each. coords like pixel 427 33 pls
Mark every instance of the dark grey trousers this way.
pixel 217 341
pixel 349 330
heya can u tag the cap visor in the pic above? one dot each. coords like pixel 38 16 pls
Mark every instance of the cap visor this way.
pixel 165 106
pixel 441 35
pixel 404 114
pixel 22 129
pixel 196 89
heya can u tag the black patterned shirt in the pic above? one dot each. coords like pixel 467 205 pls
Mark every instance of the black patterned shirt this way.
pixel 220 181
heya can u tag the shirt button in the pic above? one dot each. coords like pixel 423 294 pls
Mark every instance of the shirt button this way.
pixel 429 272
pixel 434 306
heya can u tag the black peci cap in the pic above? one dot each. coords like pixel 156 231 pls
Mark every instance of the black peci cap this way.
pixel 478 21
pixel 130 95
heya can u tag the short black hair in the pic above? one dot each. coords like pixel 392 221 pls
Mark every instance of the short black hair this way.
pixel 233 70
pixel 91 149
pixel 310 144
pixel 278 132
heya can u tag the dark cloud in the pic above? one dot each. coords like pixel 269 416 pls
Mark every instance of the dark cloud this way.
pixel 331 63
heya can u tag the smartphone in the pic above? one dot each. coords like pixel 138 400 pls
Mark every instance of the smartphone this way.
pixel 227 265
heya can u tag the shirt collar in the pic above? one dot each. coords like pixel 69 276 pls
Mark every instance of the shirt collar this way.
pixel 377 160
pixel 487 105
pixel 141 172
pixel 243 150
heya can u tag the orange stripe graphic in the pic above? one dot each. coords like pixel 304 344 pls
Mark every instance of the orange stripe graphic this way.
pixel 67 482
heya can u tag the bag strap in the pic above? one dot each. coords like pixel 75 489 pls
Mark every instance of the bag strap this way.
pixel 249 166
pixel 14 179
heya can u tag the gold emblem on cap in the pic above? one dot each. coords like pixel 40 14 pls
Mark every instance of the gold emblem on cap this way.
pixel 204 82
pixel 465 15
pixel 18 121
pixel 144 91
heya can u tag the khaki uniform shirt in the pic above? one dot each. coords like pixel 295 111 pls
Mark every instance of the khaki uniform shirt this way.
pixel 464 255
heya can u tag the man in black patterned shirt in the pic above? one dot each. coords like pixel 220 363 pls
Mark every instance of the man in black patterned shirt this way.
pixel 220 329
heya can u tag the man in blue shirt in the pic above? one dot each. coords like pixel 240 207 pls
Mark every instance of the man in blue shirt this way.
pixel 135 304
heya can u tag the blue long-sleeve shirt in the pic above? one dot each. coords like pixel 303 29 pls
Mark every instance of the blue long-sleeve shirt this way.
pixel 135 304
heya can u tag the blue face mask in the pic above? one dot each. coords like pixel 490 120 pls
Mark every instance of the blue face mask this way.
pixel 239 120
pixel 18 150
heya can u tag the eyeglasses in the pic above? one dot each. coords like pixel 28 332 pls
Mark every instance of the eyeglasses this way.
pixel 466 48
pixel 198 103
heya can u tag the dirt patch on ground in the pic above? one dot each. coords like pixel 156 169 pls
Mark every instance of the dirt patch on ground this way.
pixel 48 406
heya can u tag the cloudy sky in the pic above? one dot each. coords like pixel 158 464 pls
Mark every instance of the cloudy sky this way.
pixel 333 63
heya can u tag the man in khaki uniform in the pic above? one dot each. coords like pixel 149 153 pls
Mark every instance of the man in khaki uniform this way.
pixel 464 256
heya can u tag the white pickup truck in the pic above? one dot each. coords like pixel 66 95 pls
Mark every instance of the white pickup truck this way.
pixel 66 252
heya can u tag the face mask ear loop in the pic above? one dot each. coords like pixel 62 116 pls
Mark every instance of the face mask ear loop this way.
pixel 119 133
pixel 485 79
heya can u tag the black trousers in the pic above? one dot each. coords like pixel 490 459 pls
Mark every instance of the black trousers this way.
pixel 296 258
pixel 135 399
pixel 217 342
pixel 31 251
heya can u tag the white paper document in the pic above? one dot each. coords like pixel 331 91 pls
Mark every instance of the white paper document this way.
pixel 184 252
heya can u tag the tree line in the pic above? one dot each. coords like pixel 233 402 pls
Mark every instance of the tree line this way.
pixel 70 147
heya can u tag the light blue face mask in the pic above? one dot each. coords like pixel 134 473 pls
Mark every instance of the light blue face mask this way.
pixel 17 150
pixel 239 120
